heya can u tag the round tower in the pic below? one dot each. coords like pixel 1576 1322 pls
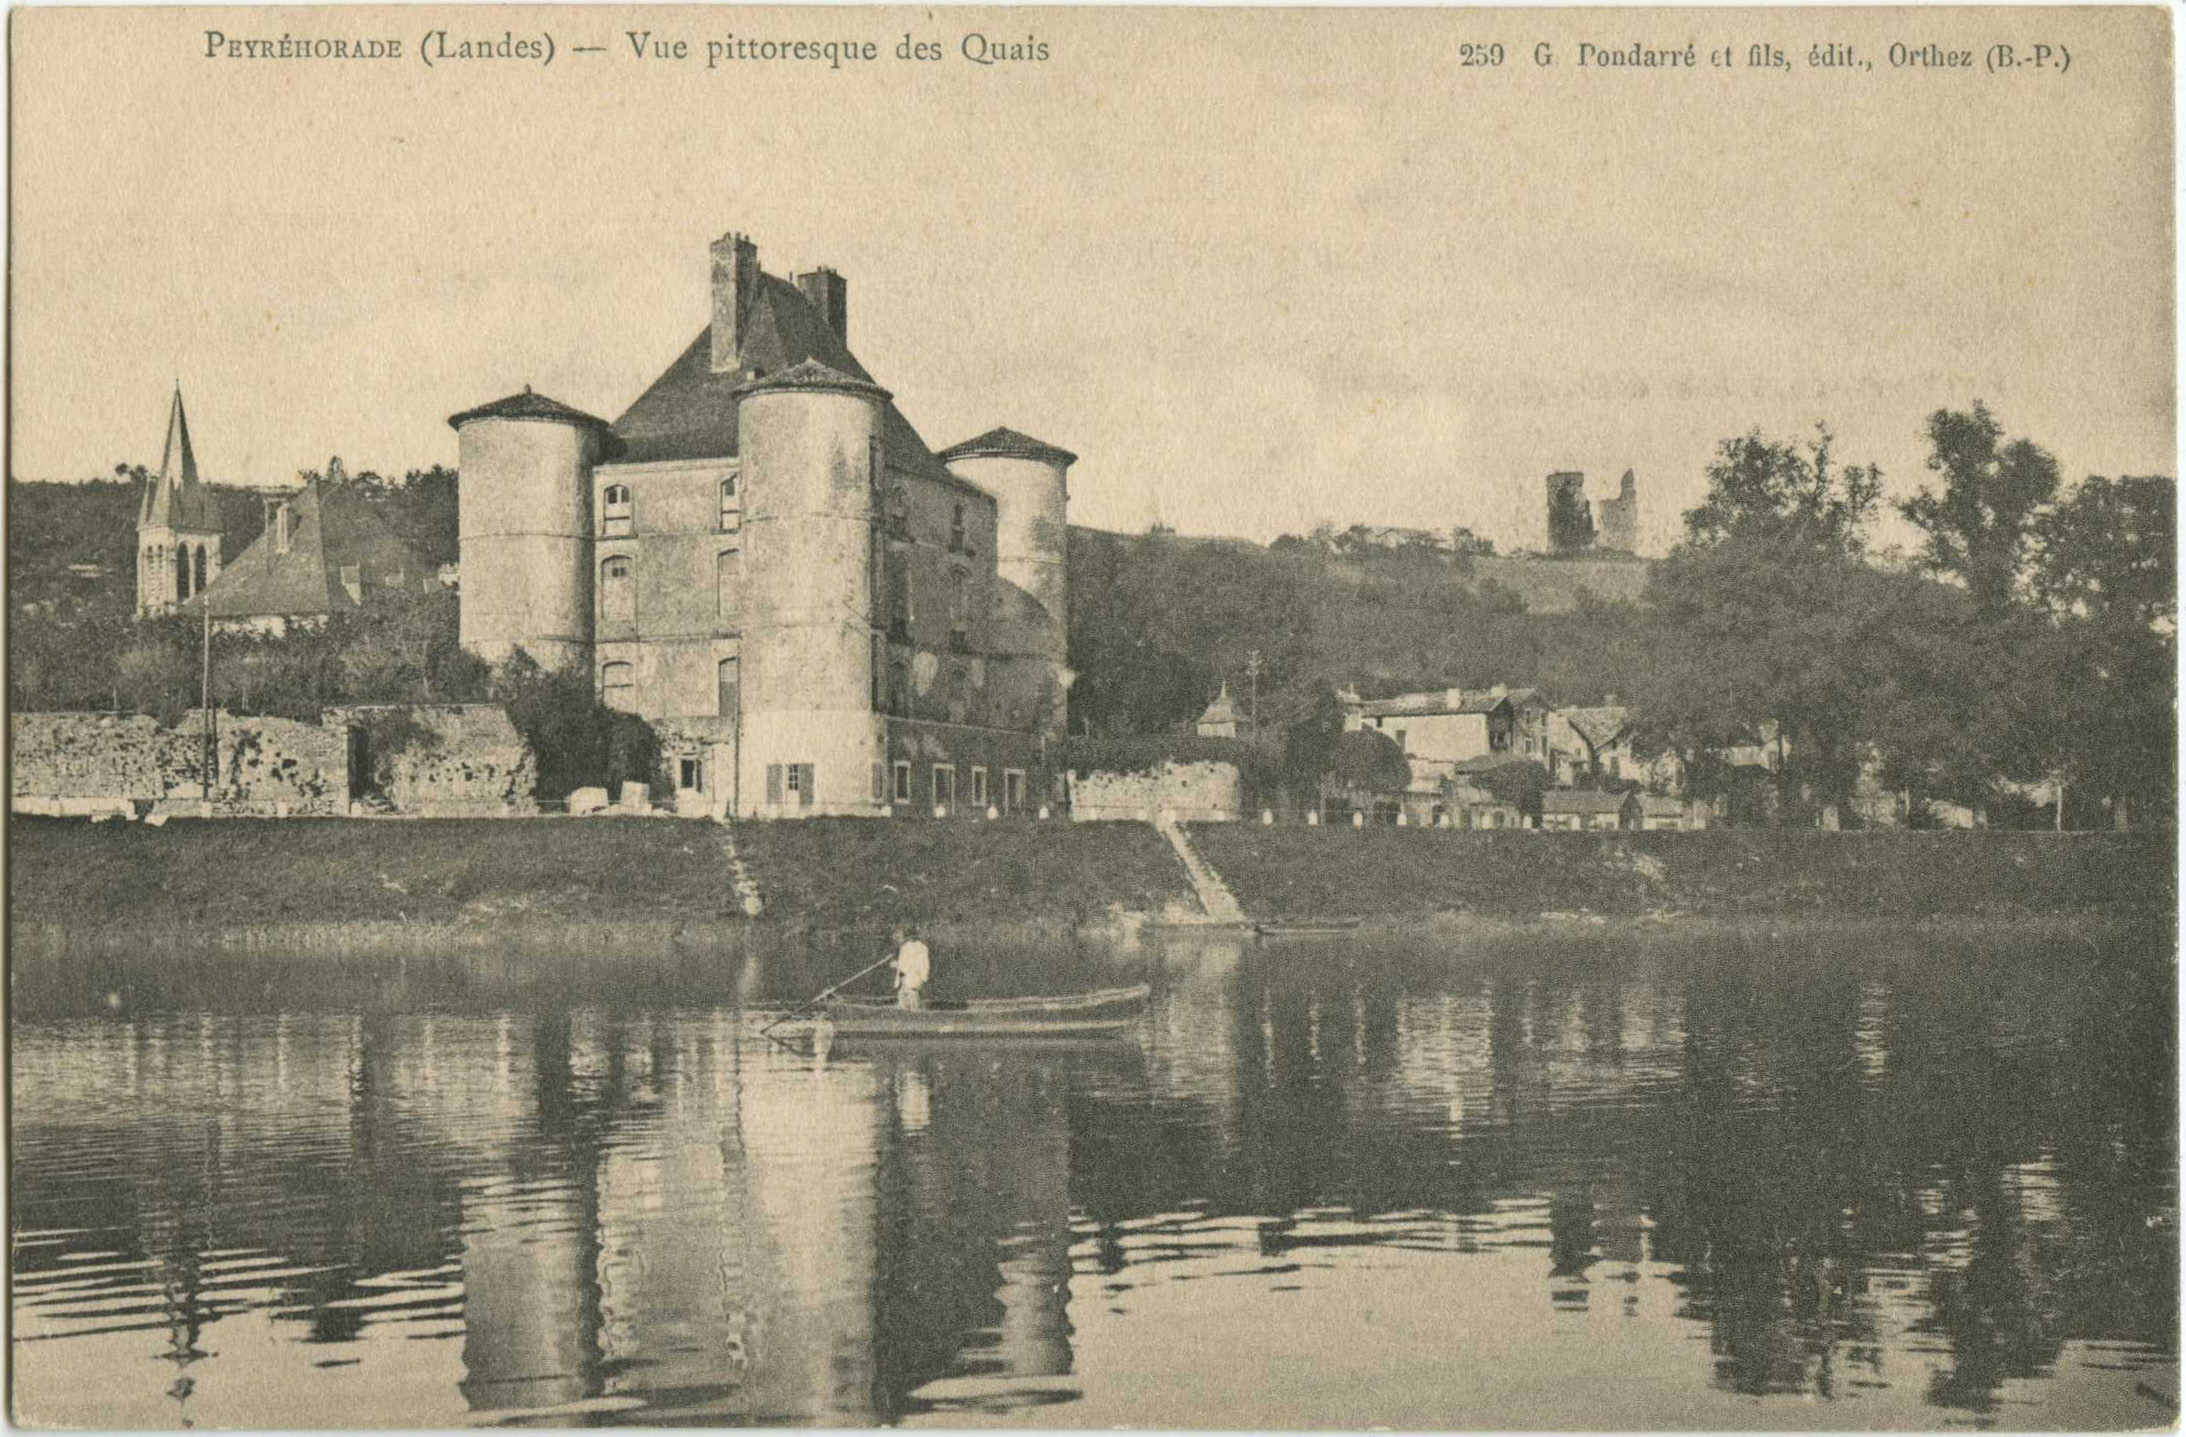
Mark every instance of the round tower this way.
pixel 808 440
pixel 524 527
pixel 1031 487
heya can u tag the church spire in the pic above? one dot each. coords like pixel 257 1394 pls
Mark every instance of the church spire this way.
pixel 179 465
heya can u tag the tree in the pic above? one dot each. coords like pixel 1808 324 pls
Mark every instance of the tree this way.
pixel 1369 761
pixel 2111 551
pixel 1769 614
pixel 1570 521
pixel 1309 740
pixel 1980 528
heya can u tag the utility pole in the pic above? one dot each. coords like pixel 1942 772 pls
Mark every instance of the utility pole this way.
pixel 205 696
pixel 1252 668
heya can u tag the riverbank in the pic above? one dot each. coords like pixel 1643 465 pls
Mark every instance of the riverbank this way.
pixel 416 888
pixel 1739 876
pixel 628 886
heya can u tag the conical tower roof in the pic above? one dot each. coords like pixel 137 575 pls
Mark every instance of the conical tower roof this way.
pixel 175 499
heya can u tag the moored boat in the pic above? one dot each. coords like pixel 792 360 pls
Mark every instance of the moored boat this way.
pixel 1307 928
pixel 1106 1010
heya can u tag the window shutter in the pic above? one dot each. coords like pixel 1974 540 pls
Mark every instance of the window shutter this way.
pixel 804 785
pixel 774 783
pixel 880 783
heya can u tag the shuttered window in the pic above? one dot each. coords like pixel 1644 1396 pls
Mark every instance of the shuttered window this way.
pixel 774 783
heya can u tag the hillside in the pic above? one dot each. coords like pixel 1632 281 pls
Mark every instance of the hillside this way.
pixel 1157 620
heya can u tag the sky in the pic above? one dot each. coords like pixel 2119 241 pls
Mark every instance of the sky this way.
pixel 1259 269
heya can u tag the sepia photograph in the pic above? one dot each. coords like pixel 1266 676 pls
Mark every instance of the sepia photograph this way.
pixel 1168 718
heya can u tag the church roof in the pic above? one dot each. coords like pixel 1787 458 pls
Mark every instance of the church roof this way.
pixel 330 528
pixel 1008 443
pixel 175 500
pixel 537 406
pixel 689 412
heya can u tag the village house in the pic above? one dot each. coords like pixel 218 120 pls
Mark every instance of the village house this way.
pixel 817 612
pixel 1659 813
pixel 1445 727
pixel 1575 810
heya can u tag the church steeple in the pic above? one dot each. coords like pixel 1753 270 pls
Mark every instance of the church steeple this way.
pixel 178 527
pixel 173 498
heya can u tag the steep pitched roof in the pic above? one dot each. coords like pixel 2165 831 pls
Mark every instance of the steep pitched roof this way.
pixel 1598 726
pixel 1222 710
pixel 688 412
pixel 176 500
pixel 329 530
pixel 1008 443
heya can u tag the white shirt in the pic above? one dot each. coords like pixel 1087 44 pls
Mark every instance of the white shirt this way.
pixel 913 963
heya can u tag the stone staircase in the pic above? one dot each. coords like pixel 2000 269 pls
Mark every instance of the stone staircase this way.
pixel 1215 899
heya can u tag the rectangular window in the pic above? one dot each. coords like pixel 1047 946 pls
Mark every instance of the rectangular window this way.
pixel 726 588
pixel 691 773
pixel 805 784
pixel 796 777
pixel 979 787
pixel 880 783
pixel 945 785
pixel 732 508
pixel 1400 739
pixel 1013 789
pixel 903 781
pixel 725 688
pixel 774 783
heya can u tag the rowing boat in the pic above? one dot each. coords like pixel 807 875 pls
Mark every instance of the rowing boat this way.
pixel 1107 1010
pixel 1308 928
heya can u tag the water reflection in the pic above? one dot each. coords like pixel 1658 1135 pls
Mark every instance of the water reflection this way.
pixel 1938 1185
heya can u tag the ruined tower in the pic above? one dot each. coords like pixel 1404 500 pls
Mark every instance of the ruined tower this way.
pixel 1618 519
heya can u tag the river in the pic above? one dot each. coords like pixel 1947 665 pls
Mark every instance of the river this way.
pixel 1623 1183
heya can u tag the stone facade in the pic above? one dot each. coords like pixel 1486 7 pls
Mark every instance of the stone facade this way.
pixel 74 763
pixel 1201 792
pixel 439 761
pixel 764 560
pixel 1617 520
pixel 453 760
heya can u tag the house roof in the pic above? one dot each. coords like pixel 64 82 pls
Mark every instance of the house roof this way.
pixel 1598 726
pixel 1489 762
pixel 689 412
pixel 1436 701
pixel 1577 800
pixel 1655 804
pixel 537 406
pixel 175 499
pixel 1222 710
pixel 1008 443
pixel 330 528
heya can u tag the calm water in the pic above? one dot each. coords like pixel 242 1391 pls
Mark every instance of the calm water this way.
pixel 1329 1185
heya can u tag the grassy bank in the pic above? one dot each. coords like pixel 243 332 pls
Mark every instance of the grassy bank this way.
pixel 333 885
pixel 236 873
pixel 1300 872
pixel 853 872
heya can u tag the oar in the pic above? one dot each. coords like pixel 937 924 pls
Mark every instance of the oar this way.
pixel 826 993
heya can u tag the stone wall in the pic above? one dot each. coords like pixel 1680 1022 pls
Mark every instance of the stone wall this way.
pixel 1191 792
pixel 81 763
pixel 442 761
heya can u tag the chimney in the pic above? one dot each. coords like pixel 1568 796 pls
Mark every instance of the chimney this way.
pixel 1499 691
pixel 735 282
pixel 280 528
pixel 826 292
pixel 1454 697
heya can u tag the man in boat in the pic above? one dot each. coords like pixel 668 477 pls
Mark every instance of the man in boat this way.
pixel 913 965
